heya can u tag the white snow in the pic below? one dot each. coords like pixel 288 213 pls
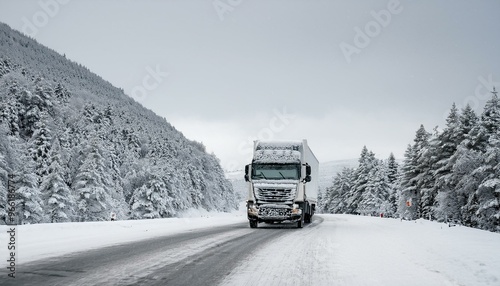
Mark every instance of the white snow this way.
pixel 340 250
pixel 276 156
pixel 279 144
pixel 42 241
pixel 356 250
pixel 277 151
pixel 282 184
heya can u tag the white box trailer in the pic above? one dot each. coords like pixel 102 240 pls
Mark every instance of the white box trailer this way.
pixel 282 183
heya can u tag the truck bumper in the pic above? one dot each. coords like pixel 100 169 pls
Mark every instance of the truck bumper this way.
pixel 273 213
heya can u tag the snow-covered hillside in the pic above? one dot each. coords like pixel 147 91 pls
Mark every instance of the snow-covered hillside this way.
pixel 78 149
pixel 333 250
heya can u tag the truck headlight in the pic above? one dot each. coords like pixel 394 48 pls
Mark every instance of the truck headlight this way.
pixel 296 209
pixel 252 208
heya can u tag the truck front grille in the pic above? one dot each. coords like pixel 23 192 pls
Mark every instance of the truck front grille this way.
pixel 275 195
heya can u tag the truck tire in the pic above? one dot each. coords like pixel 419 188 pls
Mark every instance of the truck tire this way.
pixel 307 218
pixel 307 212
pixel 253 224
pixel 300 223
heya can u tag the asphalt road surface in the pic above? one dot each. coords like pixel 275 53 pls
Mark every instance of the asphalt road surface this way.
pixel 200 257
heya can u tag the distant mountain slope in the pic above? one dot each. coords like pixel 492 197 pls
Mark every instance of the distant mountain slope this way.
pixel 78 149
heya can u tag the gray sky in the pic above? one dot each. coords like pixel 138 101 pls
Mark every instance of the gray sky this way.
pixel 341 74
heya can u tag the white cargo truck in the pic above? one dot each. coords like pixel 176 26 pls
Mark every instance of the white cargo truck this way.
pixel 282 183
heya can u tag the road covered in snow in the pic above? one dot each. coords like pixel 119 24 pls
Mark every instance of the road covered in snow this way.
pixel 356 250
pixel 223 250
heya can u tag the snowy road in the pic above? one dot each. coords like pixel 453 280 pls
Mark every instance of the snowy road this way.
pixel 345 250
pixel 197 257
pixel 339 250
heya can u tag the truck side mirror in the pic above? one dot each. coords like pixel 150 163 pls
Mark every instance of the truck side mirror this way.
pixel 308 178
pixel 308 171
pixel 247 173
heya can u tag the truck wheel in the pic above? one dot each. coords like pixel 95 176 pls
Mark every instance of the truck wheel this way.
pixel 253 224
pixel 307 218
pixel 300 223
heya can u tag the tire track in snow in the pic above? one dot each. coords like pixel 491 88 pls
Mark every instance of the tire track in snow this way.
pixel 296 258
pixel 212 265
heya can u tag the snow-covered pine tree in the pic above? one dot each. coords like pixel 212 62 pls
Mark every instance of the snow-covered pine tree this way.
pixel 375 198
pixel 30 112
pixel 489 124
pixel 44 93
pixel 29 205
pixel 366 162
pixel 416 176
pixel 392 169
pixel 449 139
pixel 426 145
pixel 197 187
pixel 39 148
pixel 490 118
pixel 91 186
pixel 483 203
pixel 320 207
pixel 465 179
pixel 57 196
pixel 468 120
pixel 151 200
pixel 61 93
pixel 336 197
pixel 446 147
pixel 111 152
pixel 487 195
pixel 9 105
pixel 393 177
pixel 456 188
pixel 408 197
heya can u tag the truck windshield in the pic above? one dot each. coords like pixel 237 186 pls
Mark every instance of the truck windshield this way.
pixel 275 172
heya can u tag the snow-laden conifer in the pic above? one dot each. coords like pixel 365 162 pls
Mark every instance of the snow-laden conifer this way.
pixel 58 199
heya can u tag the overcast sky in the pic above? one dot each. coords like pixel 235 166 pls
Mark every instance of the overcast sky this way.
pixel 341 74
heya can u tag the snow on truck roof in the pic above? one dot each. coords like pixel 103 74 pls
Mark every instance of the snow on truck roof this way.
pixel 276 156
pixel 277 152
pixel 279 145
